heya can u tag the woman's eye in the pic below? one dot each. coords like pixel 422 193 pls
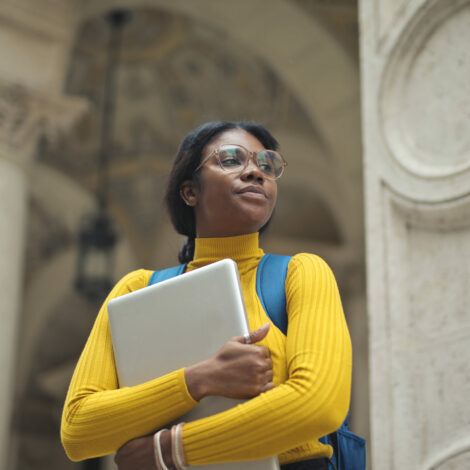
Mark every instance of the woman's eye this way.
pixel 266 166
pixel 267 169
pixel 230 160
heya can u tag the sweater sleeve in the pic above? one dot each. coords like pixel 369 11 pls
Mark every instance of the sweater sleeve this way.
pixel 312 402
pixel 99 417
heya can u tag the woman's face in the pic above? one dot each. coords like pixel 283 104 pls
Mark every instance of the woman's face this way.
pixel 227 204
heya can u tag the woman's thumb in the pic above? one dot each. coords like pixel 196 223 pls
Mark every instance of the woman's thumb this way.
pixel 259 334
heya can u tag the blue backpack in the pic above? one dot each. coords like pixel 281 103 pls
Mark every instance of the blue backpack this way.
pixel 349 449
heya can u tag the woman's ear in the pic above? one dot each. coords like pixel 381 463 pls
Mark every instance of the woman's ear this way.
pixel 188 193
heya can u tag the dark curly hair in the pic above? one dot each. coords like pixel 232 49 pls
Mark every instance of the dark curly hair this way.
pixel 187 160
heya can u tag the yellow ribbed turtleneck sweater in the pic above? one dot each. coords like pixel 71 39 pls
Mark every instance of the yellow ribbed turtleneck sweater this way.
pixel 312 374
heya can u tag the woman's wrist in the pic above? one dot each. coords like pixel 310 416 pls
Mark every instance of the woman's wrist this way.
pixel 197 380
pixel 168 447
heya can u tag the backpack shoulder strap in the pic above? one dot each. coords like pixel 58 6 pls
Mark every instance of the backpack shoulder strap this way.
pixel 270 287
pixel 348 448
pixel 164 274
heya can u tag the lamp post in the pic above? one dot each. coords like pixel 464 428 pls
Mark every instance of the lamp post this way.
pixel 97 237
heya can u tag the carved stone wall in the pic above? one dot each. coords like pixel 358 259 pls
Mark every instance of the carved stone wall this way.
pixel 25 115
pixel 416 128
pixel 34 46
pixel 182 63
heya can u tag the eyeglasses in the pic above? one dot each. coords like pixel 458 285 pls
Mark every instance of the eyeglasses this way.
pixel 234 158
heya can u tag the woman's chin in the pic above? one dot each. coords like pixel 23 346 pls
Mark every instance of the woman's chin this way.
pixel 254 224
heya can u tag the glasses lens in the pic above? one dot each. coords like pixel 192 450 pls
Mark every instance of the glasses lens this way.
pixel 235 158
pixel 270 163
pixel 232 157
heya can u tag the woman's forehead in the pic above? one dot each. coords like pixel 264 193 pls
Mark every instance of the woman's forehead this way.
pixel 234 136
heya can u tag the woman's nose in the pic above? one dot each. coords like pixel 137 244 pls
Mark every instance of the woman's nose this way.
pixel 252 171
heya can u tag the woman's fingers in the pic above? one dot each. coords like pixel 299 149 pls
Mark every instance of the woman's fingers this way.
pixel 268 376
pixel 237 370
pixel 265 365
pixel 254 336
pixel 268 386
pixel 259 334
pixel 263 351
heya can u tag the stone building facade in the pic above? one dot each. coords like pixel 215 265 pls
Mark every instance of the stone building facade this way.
pixel 415 65
pixel 293 65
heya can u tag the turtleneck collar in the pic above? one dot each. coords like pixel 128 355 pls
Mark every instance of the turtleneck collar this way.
pixel 239 248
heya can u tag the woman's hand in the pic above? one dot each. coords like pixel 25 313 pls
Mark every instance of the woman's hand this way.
pixel 237 370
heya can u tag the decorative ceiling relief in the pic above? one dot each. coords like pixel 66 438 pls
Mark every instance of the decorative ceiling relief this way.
pixel 425 102
pixel 174 74
pixel 27 115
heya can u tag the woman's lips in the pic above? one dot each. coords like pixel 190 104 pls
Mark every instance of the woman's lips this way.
pixel 256 191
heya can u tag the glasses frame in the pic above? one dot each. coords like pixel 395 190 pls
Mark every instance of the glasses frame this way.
pixel 251 153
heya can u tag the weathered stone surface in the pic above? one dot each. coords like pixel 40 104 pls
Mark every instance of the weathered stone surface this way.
pixel 417 181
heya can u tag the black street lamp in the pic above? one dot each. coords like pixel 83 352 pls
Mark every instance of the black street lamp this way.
pixel 97 239
pixel 97 236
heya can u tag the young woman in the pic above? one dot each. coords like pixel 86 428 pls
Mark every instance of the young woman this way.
pixel 221 193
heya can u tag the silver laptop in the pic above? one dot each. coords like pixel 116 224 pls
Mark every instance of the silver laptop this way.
pixel 176 323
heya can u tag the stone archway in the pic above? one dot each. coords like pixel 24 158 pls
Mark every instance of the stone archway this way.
pixel 307 59
pixel 317 129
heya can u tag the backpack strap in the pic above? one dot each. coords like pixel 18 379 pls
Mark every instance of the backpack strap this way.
pixel 348 448
pixel 270 287
pixel 164 274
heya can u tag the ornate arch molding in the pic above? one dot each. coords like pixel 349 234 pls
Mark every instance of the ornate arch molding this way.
pixel 423 100
pixel 312 64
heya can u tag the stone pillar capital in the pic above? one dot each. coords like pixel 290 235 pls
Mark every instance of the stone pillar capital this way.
pixel 27 114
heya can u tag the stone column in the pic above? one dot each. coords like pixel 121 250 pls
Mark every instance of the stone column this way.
pixel 415 61
pixel 24 116
pixel 12 221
